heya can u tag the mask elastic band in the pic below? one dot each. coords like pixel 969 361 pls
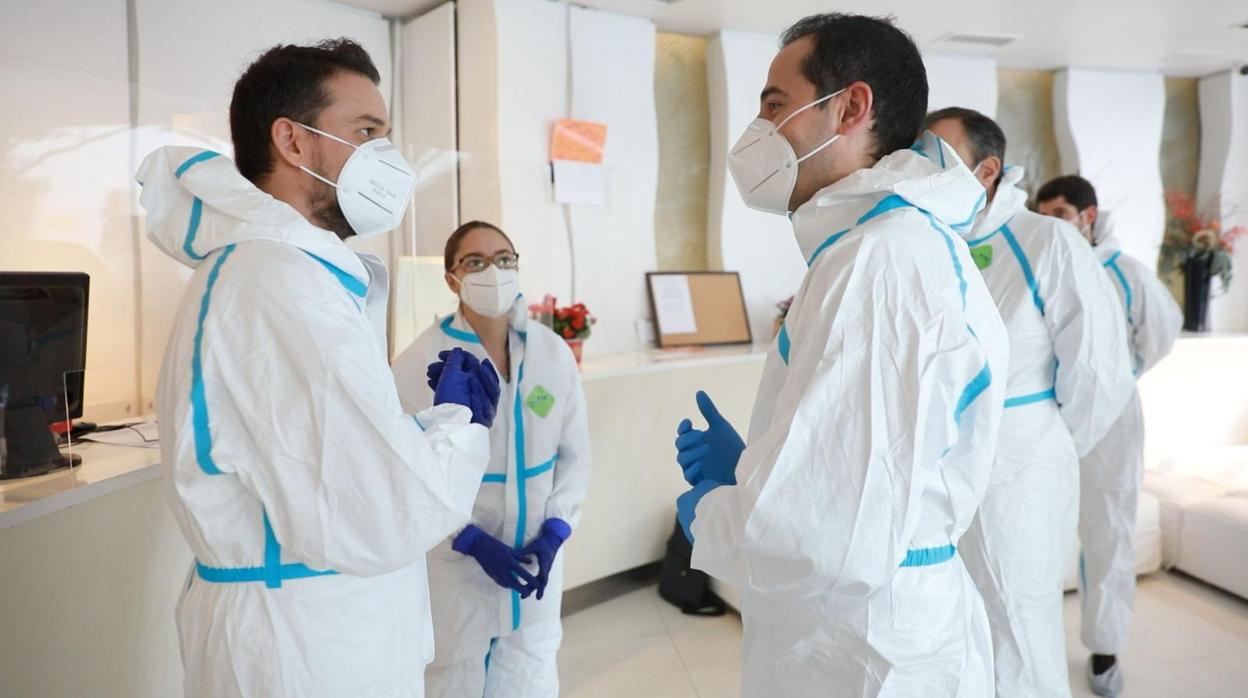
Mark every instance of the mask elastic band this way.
pixel 815 103
pixel 305 169
pixel 329 135
pixel 808 106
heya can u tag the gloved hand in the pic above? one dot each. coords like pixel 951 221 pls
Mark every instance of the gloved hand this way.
pixel 545 547
pixel 687 505
pixel 710 454
pixel 502 563
pixel 470 383
pixel 434 372
pixel 486 389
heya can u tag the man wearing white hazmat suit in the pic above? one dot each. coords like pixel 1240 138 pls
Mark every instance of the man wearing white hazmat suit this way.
pixel 1069 379
pixel 1112 471
pixel 875 424
pixel 308 497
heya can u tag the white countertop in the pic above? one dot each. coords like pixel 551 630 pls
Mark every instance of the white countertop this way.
pixel 105 469
pixel 652 360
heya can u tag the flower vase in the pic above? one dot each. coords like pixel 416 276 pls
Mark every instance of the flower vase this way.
pixel 577 346
pixel 1196 283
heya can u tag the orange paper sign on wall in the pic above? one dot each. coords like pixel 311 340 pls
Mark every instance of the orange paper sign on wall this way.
pixel 579 141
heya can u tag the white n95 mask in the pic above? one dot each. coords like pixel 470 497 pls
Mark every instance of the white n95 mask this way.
pixel 374 186
pixel 491 292
pixel 763 163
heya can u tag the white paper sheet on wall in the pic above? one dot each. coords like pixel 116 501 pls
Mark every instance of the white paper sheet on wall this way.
pixel 582 183
pixel 673 304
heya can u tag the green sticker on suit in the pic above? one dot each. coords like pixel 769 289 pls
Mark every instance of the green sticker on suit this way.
pixel 540 401
pixel 982 256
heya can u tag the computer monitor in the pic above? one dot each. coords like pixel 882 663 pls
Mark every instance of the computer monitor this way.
pixel 43 351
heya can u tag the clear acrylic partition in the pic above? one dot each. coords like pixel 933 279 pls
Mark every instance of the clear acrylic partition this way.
pixel 104 397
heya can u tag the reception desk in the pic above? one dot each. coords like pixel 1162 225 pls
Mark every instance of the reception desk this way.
pixel 635 403
pixel 91 561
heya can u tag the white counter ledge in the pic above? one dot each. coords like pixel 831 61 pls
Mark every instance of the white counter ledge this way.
pixel 105 469
pixel 652 360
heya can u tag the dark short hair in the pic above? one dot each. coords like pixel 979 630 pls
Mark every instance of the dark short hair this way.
pixel 856 48
pixel 1077 191
pixel 986 137
pixel 452 243
pixel 287 81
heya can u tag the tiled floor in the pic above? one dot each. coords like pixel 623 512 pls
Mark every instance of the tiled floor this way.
pixel 1188 641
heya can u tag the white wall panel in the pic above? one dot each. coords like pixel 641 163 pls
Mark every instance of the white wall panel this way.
pixel 760 246
pixel 612 64
pixel 190 54
pixel 961 81
pixel 428 98
pixel 477 69
pixel 532 89
pixel 513 86
pixel 516 59
pixel 1222 188
pixel 1108 127
pixel 64 172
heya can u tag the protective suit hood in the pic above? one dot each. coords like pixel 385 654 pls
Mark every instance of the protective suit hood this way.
pixel 929 175
pixel 1104 238
pixel 1010 199
pixel 197 202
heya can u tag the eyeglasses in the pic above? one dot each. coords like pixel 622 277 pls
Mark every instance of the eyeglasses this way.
pixel 475 262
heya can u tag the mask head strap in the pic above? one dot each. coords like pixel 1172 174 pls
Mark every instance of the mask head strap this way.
pixel 808 106
pixel 331 137
pixel 815 103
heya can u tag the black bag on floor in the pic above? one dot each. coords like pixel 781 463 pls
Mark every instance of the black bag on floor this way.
pixel 683 587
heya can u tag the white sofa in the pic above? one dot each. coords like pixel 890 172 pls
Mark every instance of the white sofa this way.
pixel 1205 529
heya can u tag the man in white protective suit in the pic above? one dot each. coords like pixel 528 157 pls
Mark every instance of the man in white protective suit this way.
pixel 1069 379
pixel 307 496
pixel 1112 472
pixel 873 431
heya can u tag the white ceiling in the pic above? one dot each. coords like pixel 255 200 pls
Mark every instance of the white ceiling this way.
pixel 1179 37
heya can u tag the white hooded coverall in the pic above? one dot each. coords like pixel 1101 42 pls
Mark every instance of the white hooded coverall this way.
pixel 306 494
pixel 869 449
pixel 490 641
pixel 1112 471
pixel 1069 379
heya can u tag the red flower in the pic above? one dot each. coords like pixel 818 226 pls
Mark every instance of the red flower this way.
pixel 578 322
pixel 568 333
pixel 1181 205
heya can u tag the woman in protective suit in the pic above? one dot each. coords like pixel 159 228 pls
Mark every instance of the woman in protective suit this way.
pixel 496 586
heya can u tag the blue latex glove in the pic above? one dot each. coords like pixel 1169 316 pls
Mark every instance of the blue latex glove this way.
pixel 709 454
pixel 502 563
pixel 434 372
pixel 687 505
pixel 479 391
pixel 545 547
pixel 486 390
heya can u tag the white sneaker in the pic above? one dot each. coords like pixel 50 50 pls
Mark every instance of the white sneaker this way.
pixel 1108 684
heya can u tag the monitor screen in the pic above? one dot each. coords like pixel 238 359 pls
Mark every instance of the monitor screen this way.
pixel 43 341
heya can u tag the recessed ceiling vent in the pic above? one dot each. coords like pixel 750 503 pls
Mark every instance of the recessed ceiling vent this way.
pixel 977 40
